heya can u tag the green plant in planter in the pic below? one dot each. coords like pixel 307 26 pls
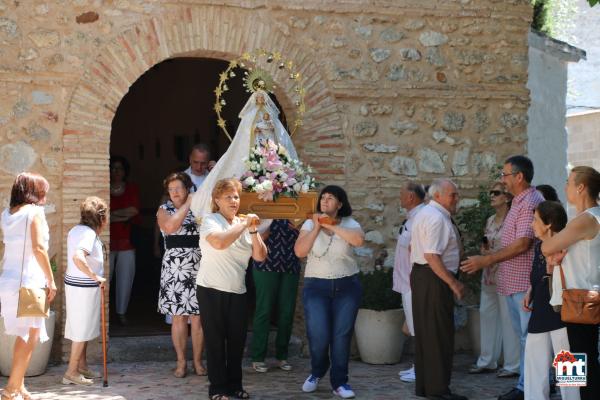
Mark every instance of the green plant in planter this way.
pixel 377 290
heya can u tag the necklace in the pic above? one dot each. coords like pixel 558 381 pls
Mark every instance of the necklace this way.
pixel 326 250
pixel 117 188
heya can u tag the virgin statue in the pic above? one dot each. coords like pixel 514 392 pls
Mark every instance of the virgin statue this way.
pixel 259 123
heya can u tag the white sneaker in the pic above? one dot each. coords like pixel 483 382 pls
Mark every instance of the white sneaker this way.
pixel 310 384
pixel 344 391
pixel 408 378
pixel 409 371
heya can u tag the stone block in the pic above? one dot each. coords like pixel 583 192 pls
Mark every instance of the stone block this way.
pixel 410 54
pixel 365 128
pixel 453 121
pixel 391 35
pixel 379 55
pixel 44 38
pixel 380 148
pixel 432 38
pixel 403 127
pixel 430 161
pixel 401 165
pixel 17 157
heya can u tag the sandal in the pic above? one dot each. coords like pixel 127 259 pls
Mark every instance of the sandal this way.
pixel 218 397
pixel 11 395
pixel 180 373
pixel 284 365
pixel 25 394
pixel 200 371
pixel 241 394
pixel 76 380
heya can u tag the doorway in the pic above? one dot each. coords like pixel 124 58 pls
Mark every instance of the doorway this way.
pixel 165 112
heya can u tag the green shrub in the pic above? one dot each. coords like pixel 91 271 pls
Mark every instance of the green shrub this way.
pixel 377 290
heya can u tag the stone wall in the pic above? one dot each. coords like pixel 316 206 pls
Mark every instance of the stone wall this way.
pixel 396 90
pixel 584 138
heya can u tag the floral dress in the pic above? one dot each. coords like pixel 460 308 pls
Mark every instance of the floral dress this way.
pixel 177 294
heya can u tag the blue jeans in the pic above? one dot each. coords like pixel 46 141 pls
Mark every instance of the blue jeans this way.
pixel 520 321
pixel 330 308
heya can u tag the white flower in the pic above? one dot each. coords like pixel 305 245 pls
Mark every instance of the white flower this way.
pixel 297 187
pixel 249 181
pixel 259 188
pixel 305 188
pixel 283 176
pixel 267 185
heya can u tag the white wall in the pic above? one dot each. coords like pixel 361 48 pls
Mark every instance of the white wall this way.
pixel 584 76
pixel 547 138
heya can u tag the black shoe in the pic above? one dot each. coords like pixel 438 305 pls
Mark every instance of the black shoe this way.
pixel 514 394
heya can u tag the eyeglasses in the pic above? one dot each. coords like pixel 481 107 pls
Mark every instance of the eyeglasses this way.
pixel 503 174
pixel 496 192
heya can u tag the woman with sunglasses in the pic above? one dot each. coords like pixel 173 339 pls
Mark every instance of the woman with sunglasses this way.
pixel 496 333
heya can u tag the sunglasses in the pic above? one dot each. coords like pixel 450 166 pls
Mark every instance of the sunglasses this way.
pixel 496 192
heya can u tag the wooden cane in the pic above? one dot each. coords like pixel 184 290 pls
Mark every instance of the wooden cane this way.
pixel 103 314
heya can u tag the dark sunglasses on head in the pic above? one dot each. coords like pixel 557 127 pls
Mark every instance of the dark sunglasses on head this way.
pixel 496 192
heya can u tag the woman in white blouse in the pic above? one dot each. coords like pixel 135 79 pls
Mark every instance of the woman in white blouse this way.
pixel 227 242
pixel 332 291
pixel 581 265
pixel 25 263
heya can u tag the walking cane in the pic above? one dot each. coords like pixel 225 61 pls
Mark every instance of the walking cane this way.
pixel 103 314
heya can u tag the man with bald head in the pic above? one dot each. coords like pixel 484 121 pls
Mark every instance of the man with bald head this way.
pixel 435 256
pixel 200 164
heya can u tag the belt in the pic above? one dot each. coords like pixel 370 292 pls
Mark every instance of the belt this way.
pixel 182 241
pixel 456 274
pixel 420 265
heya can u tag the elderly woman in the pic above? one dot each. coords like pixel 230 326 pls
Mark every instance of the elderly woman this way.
pixel 177 295
pixel 581 264
pixel 25 263
pixel 546 333
pixel 332 291
pixel 227 242
pixel 84 284
pixel 496 329
pixel 276 284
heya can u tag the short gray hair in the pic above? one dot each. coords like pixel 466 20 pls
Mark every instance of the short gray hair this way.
pixel 437 186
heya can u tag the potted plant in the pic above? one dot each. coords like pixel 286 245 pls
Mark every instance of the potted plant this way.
pixel 41 352
pixel 379 322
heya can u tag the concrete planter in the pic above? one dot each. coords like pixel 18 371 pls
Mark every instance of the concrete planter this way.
pixel 40 356
pixel 379 335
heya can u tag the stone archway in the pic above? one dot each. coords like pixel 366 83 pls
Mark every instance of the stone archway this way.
pixel 202 31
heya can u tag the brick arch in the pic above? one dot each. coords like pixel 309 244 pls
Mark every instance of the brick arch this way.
pixel 202 31
pixel 212 32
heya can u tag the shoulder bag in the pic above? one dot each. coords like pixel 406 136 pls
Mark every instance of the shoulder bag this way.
pixel 33 302
pixel 579 306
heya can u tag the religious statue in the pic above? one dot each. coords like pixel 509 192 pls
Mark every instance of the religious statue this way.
pixel 259 123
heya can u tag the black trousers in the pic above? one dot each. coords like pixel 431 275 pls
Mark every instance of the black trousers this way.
pixel 584 339
pixel 433 316
pixel 224 321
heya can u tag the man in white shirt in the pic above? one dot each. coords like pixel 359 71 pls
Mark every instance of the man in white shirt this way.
pixel 435 255
pixel 200 164
pixel 412 196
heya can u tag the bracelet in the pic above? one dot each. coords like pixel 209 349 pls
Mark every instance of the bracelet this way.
pixel 253 232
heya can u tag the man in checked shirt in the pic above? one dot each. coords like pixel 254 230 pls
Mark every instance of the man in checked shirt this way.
pixel 516 255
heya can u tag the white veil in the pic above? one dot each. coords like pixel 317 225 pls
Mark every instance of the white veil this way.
pixel 231 164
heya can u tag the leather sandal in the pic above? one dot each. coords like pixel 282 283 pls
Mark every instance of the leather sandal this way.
pixel 25 394
pixel 200 371
pixel 11 395
pixel 180 373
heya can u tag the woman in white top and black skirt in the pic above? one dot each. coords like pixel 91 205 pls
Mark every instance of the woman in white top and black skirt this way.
pixel 227 242
pixel 84 281
pixel 332 292
pixel 581 265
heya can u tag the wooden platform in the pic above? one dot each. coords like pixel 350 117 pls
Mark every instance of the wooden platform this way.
pixel 283 208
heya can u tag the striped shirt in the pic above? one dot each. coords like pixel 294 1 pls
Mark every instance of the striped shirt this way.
pixel 513 274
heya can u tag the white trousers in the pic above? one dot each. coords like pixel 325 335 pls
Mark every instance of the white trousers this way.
pixel 122 263
pixel 497 332
pixel 408 314
pixel 539 354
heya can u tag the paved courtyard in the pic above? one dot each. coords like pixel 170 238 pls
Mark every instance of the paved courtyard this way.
pixel 154 381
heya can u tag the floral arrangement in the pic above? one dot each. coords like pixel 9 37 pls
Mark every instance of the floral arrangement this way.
pixel 271 172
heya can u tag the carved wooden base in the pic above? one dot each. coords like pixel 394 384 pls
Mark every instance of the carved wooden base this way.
pixel 282 208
